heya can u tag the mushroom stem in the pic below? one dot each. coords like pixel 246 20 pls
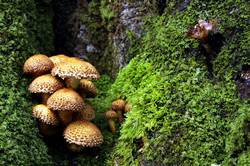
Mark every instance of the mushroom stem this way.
pixel 111 124
pixel 65 117
pixel 120 116
pixel 45 97
pixel 46 129
pixel 72 83
pixel 74 147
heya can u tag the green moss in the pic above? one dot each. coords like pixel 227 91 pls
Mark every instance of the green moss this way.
pixel 184 116
pixel 20 143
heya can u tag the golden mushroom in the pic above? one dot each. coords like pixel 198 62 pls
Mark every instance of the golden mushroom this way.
pixel 88 113
pixel 119 106
pixel 47 119
pixel 87 88
pixel 75 69
pixel 56 59
pixel 127 107
pixel 45 85
pixel 65 101
pixel 80 134
pixel 111 116
pixel 38 65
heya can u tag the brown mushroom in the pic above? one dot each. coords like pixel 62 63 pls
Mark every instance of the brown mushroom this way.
pixel 56 59
pixel 127 107
pixel 111 116
pixel 88 113
pixel 118 106
pixel 45 85
pixel 47 119
pixel 37 65
pixel 65 101
pixel 80 134
pixel 87 88
pixel 76 69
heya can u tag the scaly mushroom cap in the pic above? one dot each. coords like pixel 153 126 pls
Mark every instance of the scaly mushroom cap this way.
pixel 110 114
pixel 83 133
pixel 88 87
pixel 65 100
pixel 118 105
pixel 45 84
pixel 75 68
pixel 88 113
pixel 44 114
pixel 56 59
pixel 38 65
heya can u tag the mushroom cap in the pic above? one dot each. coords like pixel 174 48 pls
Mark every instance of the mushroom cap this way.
pixel 37 65
pixel 45 84
pixel 65 99
pixel 88 87
pixel 88 113
pixel 127 107
pixel 83 133
pixel 118 105
pixel 44 114
pixel 56 59
pixel 75 68
pixel 111 114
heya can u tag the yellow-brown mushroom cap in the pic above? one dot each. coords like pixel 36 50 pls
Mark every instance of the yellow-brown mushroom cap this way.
pixel 65 100
pixel 44 114
pixel 45 84
pixel 83 133
pixel 88 113
pixel 127 107
pixel 56 59
pixel 38 65
pixel 118 105
pixel 110 114
pixel 75 68
pixel 88 87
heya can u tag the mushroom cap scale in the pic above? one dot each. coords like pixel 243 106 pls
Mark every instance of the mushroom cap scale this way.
pixel 65 99
pixel 83 133
pixel 44 114
pixel 37 65
pixel 45 84
pixel 75 68
pixel 56 59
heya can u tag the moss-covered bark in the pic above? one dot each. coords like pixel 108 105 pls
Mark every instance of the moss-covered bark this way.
pixel 20 143
pixel 184 115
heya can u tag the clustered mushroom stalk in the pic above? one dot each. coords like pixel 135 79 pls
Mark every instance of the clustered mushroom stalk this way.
pixel 111 116
pixel 57 80
pixel 119 106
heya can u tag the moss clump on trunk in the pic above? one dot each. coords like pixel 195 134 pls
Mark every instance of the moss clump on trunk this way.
pixel 20 143
pixel 186 116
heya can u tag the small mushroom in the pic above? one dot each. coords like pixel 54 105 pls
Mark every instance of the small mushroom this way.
pixel 37 65
pixel 119 105
pixel 111 116
pixel 80 134
pixel 65 101
pixel 88 113
pixel 47 119
pixel 45 85
pixel 87 88
pixel 127 107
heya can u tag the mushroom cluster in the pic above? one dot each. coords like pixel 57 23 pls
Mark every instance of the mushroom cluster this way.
pixel 63 83
pixel 117 112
